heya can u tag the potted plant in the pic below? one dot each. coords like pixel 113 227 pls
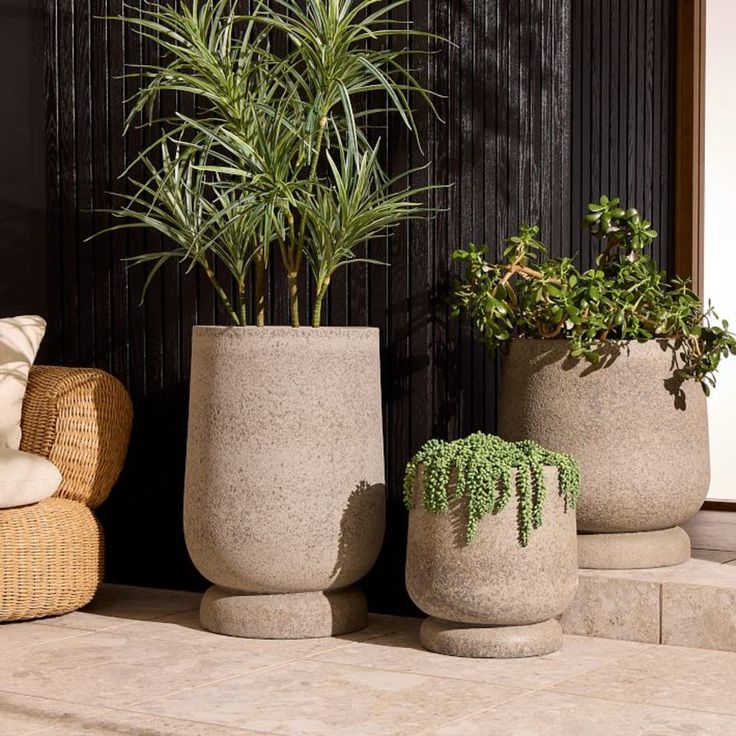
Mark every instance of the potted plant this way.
pixel 284 498
pixel 604 364
pixel 492 550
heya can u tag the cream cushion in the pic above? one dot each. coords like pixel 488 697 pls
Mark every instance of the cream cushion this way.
pixel 19 341
pixel 25 478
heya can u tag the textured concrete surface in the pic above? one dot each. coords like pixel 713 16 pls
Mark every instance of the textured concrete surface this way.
pixel 153 670
pixel 715 555
pixel 659 548
pixel 702 616
pixel 671 677
pixel 285 474
pixel 501 642
pixel 713 530
pixel 560 714
pixel 643 452
pixel 493 581
pixel 690 605
pixel 284 615
pixel 615 608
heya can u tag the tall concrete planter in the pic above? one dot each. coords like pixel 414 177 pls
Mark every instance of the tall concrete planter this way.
pixel 492 597
pixel 284 502
pixel 642 450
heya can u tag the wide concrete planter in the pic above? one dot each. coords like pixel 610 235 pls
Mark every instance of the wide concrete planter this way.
pixel 284 504
pixel 492 597
pixel 642 450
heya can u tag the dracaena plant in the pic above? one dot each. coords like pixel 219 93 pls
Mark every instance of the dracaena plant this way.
pixel 624 297
pixel 278 158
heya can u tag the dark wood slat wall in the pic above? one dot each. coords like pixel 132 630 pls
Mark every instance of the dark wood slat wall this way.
pixel 623 121
pixel 513 125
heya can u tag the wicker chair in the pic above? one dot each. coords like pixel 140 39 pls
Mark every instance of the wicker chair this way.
pixel 52 553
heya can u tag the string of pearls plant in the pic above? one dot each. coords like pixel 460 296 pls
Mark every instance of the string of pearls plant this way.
pixel 481 467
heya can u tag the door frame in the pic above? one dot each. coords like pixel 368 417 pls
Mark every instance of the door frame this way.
pixel 690 155
pixel 690 141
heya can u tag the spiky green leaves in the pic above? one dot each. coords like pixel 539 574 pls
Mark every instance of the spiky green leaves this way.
pixel 486 470
pixel 280 139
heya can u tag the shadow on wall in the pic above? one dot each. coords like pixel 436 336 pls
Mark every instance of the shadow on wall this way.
pixel 143 516
pixel 364 507
pixel 497 152
pixel 22 150
pixel 515 130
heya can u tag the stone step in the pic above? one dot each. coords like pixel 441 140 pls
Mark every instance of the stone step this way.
pixel 688 605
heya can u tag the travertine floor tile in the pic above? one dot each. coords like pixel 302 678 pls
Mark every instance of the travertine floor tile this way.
pixel 29 634
pixel 310 698
pixel 712 530
pixel 111 669
pixel 116 605
pixel 157 673
pixel 552 714
pixel 615 608
pixel 125 723
pixel 714 555
pixel 703 572
pixel 652 574
pixel 184 628
pixel 21 715
pixel 402 652
pixel 695 679
pixel 701 616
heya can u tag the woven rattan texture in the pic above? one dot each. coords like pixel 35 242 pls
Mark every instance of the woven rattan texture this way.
pixel 51 559
pixel 52 553
pixel 80 419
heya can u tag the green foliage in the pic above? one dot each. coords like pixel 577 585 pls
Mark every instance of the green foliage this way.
pixel 278 154
pixel 483 468
pixel 625 297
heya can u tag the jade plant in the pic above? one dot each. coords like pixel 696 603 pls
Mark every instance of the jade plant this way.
pixel 485 470
pixel 623 297
pixel 274 156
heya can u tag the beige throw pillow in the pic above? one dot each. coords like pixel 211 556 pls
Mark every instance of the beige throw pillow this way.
pixel 25 478
pixel 19 341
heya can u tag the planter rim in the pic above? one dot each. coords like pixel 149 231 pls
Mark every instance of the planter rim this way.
pixel 514 467
pixel 608 341
pixel 281 330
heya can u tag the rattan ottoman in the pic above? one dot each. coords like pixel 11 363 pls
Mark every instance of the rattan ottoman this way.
pixel 52 553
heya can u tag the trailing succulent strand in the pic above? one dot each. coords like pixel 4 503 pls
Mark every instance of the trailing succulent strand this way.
pixel 481 468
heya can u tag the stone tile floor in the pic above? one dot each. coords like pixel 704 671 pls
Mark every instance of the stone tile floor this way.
pixel 136 663
pixel 713 536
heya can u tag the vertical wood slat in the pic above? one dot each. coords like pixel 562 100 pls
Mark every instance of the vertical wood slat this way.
pixel 505 150
pixel 68 206
pixel 100 140
pixel 53 184
pixel 622 98
pixel 84 178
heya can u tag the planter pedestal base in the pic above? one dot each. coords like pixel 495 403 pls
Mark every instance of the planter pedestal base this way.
pixel 283 615
pixel 471 640
pixel 634 550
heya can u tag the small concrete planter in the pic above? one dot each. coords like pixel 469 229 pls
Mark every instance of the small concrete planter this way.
pixel 642 451
pixel 284 504
pixel 492 597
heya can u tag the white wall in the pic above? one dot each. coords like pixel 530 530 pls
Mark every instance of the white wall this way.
pixel 720 243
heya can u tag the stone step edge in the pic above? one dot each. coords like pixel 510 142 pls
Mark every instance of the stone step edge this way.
pixel 689 605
